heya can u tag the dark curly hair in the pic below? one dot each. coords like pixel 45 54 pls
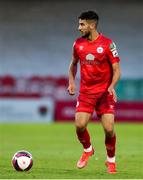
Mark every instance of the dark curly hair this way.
pixel 89 15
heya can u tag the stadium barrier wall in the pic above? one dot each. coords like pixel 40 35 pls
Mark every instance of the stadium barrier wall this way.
pixel 125 111
pixel 27 110
pixel 45 98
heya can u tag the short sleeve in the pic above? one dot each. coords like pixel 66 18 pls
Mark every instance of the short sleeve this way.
pixel 75 55
pixel 112 53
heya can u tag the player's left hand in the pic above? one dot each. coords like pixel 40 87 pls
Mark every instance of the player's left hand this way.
pixel 71 89
pixel 112 92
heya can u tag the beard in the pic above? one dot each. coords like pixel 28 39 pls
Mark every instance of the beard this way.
pixel 86 35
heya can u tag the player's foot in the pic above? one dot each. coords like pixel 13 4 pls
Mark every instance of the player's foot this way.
pixel 84 159
pixel 111 167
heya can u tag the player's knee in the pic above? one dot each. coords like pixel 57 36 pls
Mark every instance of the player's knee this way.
pixel 80 125
pixel 109 132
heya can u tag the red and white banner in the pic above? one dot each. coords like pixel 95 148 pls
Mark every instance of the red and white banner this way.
pixel 65 110
pixel 125 111
pixel 129 111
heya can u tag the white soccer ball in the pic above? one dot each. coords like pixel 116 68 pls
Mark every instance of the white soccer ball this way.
pixel 22 160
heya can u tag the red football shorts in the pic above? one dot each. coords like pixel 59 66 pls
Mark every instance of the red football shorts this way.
pixel 102 103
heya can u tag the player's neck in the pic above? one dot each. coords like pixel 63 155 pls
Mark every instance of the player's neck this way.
pixel 93 36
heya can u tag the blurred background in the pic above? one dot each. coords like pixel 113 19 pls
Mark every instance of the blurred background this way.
pixel 36 39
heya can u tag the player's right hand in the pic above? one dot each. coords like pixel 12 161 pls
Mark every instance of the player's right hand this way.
pixel 71 89
pixel 112 92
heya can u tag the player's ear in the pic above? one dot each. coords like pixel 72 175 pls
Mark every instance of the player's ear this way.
pixel 93 25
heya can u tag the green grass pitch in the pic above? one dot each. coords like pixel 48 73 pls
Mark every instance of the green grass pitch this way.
pixel 56 150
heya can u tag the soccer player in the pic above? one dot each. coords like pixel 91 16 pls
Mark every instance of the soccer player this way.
pixel 99 73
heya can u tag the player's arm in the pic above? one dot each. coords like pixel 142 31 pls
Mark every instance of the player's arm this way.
pixel 72 74
pixel 115 79
pixel 114 59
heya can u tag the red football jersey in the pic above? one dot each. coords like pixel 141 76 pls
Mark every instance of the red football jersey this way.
pixel 95 58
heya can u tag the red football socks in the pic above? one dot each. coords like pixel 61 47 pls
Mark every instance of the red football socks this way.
pixel 110 145
pixel 84 138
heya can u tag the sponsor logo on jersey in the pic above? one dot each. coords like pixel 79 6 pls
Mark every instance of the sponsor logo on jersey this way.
pixel 89 62
pixel 100 49
pixel 90 57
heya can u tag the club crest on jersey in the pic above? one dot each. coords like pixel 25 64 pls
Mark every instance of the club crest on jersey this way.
pixel 90 57
pixel 100 49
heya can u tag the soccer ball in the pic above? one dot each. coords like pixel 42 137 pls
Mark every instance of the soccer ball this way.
pixel 22 160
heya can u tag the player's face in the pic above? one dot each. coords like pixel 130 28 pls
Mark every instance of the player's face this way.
pixel 84 27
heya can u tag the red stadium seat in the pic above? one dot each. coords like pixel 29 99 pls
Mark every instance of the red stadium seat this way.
pixel 49 85
pixel 61 89
pixel 8 84
pixel 34 84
